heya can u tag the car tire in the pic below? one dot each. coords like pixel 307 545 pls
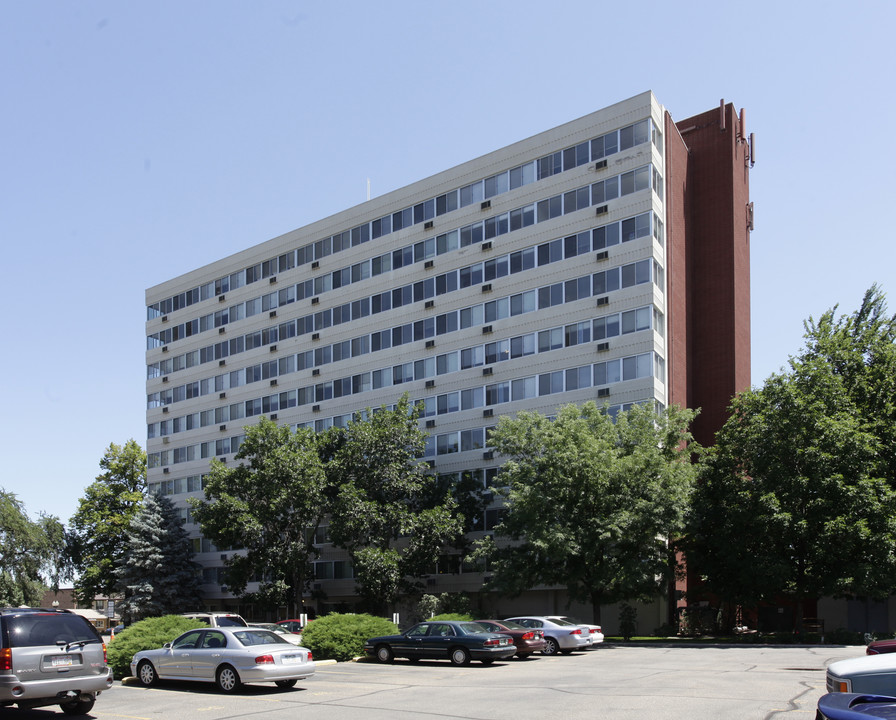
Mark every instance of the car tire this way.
pixel 384 654
pixel 78 707
pixel 227 679
pixel 285 684
pixel 551 647
pixel 146 674
pixel 459 656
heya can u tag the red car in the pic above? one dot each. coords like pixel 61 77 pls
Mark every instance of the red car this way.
pixel 527 640
pixel 879 647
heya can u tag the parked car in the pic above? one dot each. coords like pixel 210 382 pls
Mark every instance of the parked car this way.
pixel 855 706
pixel 217 619
pixel 113 631
pixel 294 626
pixel 596 631
pixel 227 656
pixel 867 674
pixel 527 640
pixel 458 642
pixel 294 638
pixel 880 647
pixel 559 635
pixel 51 657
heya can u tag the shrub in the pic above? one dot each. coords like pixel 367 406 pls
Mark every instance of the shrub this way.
pixel 628 621
pixel 842 636
pixel 147 634
pixel 341 637
pixel 457 617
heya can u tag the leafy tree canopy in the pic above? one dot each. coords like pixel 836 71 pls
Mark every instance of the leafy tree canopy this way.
pixel 590 503
pixel 98 529
pixel 31 553
pixel 270 504
pixel 796 497
pixel 384 509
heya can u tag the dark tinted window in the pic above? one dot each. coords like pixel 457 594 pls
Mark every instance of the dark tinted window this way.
pixel 47 629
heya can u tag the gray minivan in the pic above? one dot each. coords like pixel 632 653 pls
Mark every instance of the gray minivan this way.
pixel 51 657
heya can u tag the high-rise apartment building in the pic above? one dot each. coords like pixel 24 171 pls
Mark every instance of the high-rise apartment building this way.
pixel 606 259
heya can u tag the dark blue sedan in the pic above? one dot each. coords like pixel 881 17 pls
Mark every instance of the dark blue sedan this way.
pixel 855 706
pixel 458 642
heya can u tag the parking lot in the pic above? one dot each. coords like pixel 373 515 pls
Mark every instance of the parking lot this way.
pixel 611 682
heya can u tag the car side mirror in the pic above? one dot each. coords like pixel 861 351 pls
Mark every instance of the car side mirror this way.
pixel 167 646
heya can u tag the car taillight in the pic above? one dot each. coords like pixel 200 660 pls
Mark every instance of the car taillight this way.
pixel 529 636
pixel 6 659
pixel 105 659
pixel 594 631
pixel 492 641
pixel 264 659
pixel 577 631
pixel 309 656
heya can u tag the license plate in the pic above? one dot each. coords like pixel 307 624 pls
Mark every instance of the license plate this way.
pixel 291 659
pixel 61 661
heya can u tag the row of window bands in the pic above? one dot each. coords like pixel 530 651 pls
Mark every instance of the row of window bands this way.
pixel 567 159
pixel 519 261
pixel 500 225
pixel 605 373
pixel 542 341
pixel 557 250
pixel 600 283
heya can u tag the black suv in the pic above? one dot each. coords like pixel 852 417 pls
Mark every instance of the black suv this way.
pixel 50 657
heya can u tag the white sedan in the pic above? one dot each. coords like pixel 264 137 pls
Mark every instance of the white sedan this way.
pixel 595 631
pixel 228 657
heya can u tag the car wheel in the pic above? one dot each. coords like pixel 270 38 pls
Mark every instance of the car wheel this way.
pixel 78 707
pixel 460 656
pixel 146 673
pixel 285 683
pixel 550 646
pixel 384 654
pixel 227 678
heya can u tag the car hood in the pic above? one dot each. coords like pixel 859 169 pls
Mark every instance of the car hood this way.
pixel 864 664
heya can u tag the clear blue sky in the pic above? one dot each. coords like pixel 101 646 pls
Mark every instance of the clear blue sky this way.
pixel 141 140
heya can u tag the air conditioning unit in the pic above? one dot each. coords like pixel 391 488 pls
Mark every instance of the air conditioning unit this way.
pixel 315 265
pixel 488 412
pixel 430 383
pixel 315 408
pixel 222 363
pixel 274 382
pixel 222 395
pixel 485 204
pixel 427 225
pixel 315 300
pixel 603 346
pixel 429 304
pixel 222 330
pixel 222 428
pixel 430 343
pixel 273 348
pixel 164 318
pixel 603 255
pixel 165 470
pixel 272 280
pixel 603 392
pixel 223 556
pixel 272 314
pixel 430 581
pixel 273 416
pixel 315 372
pixel 164 348
pixel 487 245
pixel 487 287
pixel 165 379
pixel 166 440
pixel 222 298
pixel 164 411
pixel 601 210
pixel 487 370
pixel 488 455
pixel 603 300
pixel 428 264
pixel 486 329
pixel 600 164
pixel 430 423
pixel 315 336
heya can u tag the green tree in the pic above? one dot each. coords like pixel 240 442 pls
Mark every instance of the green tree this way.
pixel 384 510
pixel 271 506
pixel 590 504
pixel 98 529
pixel 158 576
pixel 796 498
pixel 31 553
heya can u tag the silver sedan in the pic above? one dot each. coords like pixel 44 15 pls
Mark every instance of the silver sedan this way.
pixel 228 657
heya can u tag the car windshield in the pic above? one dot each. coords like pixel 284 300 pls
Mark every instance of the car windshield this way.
pixel 33 629
pixel 469 628
pixel 511 625
pixel 248 638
